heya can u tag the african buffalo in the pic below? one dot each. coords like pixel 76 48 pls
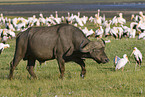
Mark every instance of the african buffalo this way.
pixel 62 42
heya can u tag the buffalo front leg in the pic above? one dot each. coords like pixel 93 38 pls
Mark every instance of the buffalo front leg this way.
pixel 30 68
pixel 82 64
pixel 61 67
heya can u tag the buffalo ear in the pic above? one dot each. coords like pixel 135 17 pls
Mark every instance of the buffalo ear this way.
pixel 92 44
pixel 103 41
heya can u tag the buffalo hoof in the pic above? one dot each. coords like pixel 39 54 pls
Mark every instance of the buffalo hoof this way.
pixel 32 78
pixel 10 78
pixel 61 77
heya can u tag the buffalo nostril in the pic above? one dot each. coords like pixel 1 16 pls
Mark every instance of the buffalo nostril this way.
pixel 107 60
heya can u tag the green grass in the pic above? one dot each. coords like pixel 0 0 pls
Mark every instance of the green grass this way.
pixel 101 79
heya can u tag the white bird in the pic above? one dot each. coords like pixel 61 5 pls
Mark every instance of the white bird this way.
pixel 3 46
pixel 132 33
pixel 90 32
pixel 11 34
pixel 142 16
pixel 133 25
pixel 137 56
pixel 9 25
pixel 120 19
pixel 141 26
pixel 99 32
pixel 114 21
pixel 78 20
pixel 135 18
pixel 114 32
pixel 141 35
pixel 4 35
pixel 68 19
pixel 84 19
pixel 107 28
pixel 122 62
pixel 120 32
pixel 91 19
pixel 116 59
pixel 107 41
pixel 85 30
pixel 98 19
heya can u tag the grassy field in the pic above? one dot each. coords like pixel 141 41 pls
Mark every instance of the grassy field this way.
pixel 101 79
pixel 7 2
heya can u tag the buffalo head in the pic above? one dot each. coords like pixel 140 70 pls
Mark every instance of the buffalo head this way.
pixel 96 50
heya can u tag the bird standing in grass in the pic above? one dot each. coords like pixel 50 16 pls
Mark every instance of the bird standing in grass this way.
pixel 122 62
pixel 3 46
pixel 116 59
pixel 137 56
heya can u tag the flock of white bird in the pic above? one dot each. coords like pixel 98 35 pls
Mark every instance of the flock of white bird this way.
pixel 114 27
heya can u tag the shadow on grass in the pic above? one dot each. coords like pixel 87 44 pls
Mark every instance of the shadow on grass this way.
pixel 4 77
pixel 110 69
pixel 139 93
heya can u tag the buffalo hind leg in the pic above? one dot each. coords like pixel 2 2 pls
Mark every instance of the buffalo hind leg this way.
pixel 30 68
pixel 13 65
pixel 82 64
pixel 61 63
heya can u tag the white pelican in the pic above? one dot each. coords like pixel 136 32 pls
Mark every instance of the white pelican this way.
pixel 90 32
pixel 122 62
pixel 142 16
pixel 120 32
pixel 4 39
pixel 84 19
pixel 107 29
pixel 78 20
pixel 21 26
pixel 3 46
pixel 114 21
pixel 133 25
pixel 57 19
pixel 15 21
pixel 114 32
pixel 141 26
pixel 98 19
pixel 85 30
pixel 91 19
pixel 9 25
pixel 107 41
pixel 11 33
pixel 141 35
pixel 68 19
pixel 132 33
pixel 99 32
pixel 137 56
pixel 120 19
pixel 135 18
